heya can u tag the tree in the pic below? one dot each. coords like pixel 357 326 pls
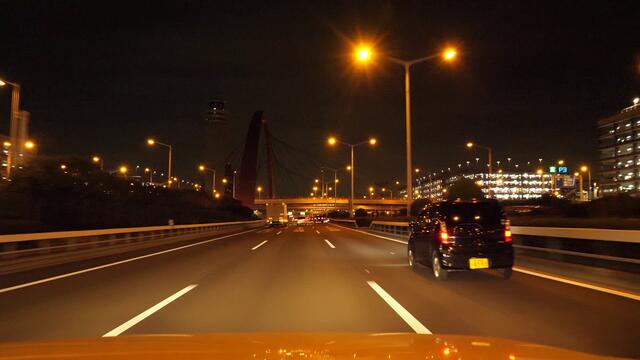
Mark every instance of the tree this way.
pixel 418 205
pixel 464 189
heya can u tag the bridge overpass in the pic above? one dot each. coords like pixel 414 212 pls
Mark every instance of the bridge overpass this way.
pixel 328 204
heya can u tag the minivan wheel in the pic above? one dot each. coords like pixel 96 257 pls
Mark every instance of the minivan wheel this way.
pixel 411 258
pixel 438 272
pixel 505 273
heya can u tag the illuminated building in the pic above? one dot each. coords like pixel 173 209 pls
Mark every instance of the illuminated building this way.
pixel 504 185
pixel 619 151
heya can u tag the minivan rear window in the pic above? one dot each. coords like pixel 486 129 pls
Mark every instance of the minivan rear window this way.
pixel 483 213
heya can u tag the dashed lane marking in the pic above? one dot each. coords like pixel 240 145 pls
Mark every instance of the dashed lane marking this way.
pixel 145 314
pixel 414 323
pixel 257 246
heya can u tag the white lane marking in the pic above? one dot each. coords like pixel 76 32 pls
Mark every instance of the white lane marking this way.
pixel 331 228
pixel 58 277
pixel 399 309
pixel 374 235
pixel 279 232
pixel 367 271
pixel 257 246
pixel 145 314
pixel 578 283
pixel 329 243
pixel 392 253
pixel 317 232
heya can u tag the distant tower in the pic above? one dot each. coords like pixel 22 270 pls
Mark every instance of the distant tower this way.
pixel 217 145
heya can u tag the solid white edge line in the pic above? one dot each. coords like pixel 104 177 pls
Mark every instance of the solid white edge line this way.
pixel 399 309
pixel 317 232
pixel 58 277
pixel 329 243
pixel 279 232
pixel 578 283
pixel 145 314
pixel 374 235
pixel 257 246
pixel 532 273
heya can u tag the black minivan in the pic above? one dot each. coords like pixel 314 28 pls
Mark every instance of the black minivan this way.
pixel 461 235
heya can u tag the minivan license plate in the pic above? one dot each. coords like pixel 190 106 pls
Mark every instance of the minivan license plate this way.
pixel 478 263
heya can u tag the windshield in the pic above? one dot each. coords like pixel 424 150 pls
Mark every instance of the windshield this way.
pixel 302 167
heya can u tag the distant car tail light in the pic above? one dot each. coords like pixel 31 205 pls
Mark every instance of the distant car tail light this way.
pixel 444 234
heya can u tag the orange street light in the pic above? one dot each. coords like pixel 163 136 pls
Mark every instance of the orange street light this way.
pixel 373 141
pixel 123 170
pixel 363 54
pixel 332 140
pixel 63 167
pixel 449 54
pixel 29 145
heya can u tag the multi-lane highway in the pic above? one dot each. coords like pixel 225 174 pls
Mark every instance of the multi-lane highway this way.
pixel 320 278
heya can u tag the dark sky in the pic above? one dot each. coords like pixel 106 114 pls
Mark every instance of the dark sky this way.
pixel 532 79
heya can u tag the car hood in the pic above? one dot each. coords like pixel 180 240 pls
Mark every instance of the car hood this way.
pixel 287 346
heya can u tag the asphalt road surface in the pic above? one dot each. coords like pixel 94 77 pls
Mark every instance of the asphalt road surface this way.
pixel 318 278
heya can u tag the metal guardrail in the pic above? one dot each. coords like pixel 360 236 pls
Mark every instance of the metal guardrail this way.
pixel 34 244
pixel 393 227
pixel 345 221
pixel 604 245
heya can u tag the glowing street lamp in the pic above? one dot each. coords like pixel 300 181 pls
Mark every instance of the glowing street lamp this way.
pixel 586 169
pixel 364 54
pixel 98 160
pixel 471 145
pixel 29 145
pixel 203 168
pixel 259 189
pixel 63 166
pixel 153 142
pixel 332 140
pixel 123 170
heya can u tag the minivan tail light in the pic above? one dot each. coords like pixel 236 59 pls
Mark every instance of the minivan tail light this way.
pixel 507 236
pixel 443 235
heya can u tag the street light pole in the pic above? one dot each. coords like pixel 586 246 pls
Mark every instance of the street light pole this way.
pixel 363 55
pixel 489 157
pixel 332 141
pixel 13 125
pixel 168 146
pixel 407 110
pixel 353 170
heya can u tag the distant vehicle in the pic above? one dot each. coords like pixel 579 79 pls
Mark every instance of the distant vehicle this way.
pixel 461 235
pixel 301 221
pixel 277 223
pixel 276 214
pixel 319 219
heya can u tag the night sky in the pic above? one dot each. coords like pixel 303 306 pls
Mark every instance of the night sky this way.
pixel 532 78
